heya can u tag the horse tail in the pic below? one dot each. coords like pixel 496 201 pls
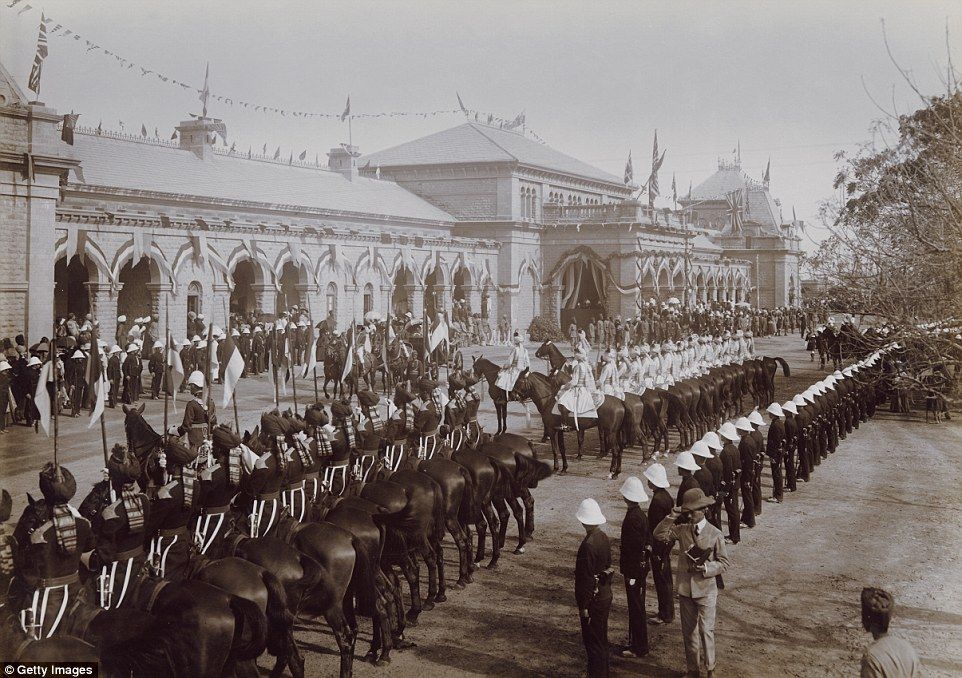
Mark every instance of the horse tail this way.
pixel 505 484
pixel 470 507
pixel 675 401
pixel 531 470
pixel 364 566
pixel 629 425
pixel 786 370
pixel 247 616
pixel 280 619
pixel 438 513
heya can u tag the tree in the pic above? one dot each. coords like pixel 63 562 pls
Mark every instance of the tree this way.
pixel 895 247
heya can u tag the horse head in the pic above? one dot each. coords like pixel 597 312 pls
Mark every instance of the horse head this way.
pixel 142 439
pixel 544 351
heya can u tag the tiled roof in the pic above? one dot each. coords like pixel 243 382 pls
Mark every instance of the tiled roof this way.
pixel 760 207
pixel 476 143
pixel 131 165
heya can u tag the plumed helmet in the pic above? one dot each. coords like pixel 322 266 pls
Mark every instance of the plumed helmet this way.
pixel 273 424
pixel 224 438
pixel 402 396
pixel 179 454
pixel 316 415
pixel 122 465
pixel 426 421
pixel 341 410
pixel 368 398
pixel 57 485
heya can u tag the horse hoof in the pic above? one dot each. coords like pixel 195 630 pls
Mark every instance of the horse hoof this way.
pixel 493 565
pixel 371 657
pixel 412 618
pixel 519 551
pixel 383 661
pixel 440 598
pixel 428 606
pixel 563 472
pixel 456 586
pixel 402 644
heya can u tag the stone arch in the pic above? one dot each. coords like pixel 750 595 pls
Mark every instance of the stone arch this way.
pixel 699 290
pixel 240 253
pixel 248 283
pixel 461 282
pixel 286 257
pixel 434 292
pixel 291 280
pixel 136 296
pixel 91 252
pixel 368 298
pixel 160 268
pixel 663 281
pixel 186 255
pixel 401 291
pixel 71 293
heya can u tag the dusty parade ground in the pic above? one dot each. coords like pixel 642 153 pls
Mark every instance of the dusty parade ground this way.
pixel 883 511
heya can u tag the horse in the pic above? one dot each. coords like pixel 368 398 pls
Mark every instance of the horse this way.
pixel 334 369
pixel 487 369
pixel 543 391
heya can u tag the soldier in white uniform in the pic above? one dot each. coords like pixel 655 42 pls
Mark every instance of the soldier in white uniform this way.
pixel 608 380
pixel 580 397
pixel 518 362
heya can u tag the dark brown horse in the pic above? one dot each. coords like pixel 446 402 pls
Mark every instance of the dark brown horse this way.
pixel 487 369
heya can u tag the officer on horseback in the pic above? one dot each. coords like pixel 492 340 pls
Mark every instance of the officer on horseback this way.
pixel 199 416
pixel 518 362
pixel 580 396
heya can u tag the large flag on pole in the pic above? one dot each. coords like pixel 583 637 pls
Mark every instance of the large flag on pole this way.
pixel 347 109
pixel 96 379
pixel 42 397
pixel 349 358
pixel 735 204
pixel 205 93
pixel 440 331
pixel 233 368
pixel 461 104
pixel 312 357
pixel 34 81
pixel 629 171
pixel 656 162
pixel 176 365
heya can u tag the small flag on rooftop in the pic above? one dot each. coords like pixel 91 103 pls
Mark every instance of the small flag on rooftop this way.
pixel 34 82
pixel 347 109
pixel 629 170
pixel 69 124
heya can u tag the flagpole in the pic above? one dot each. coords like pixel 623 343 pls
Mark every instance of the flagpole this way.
pixel 56 391
pixel 103 415
pixel 207 380
pixel 313 358
pixel 167 384
pixel 233 397
pixel 290 358
pixel 277 395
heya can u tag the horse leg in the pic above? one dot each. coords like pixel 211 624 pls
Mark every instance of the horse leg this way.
pixel 528 501
pixel 345 639
pixel 519 518
pixel 491 519
pixel 501 506
pixel 581 442
pixel 561 448
pixel 412 572
pixel 457 533
pixel 435 588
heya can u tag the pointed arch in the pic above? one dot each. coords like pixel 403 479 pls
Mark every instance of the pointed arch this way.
pixel 372 259
pixel 91 250
pixel 216 261
pixel 434 261
pixel 154 253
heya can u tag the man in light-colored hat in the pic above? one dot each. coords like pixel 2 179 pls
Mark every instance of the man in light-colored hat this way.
pixel 661 505
pixel 756 420
pixel 715 466
pixel 701 558
pixel 748 454
pixel 593 574
pixel 634 565
pixel 789 410
pixel 687 466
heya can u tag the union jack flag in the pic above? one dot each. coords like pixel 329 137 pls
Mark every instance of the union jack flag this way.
pixel 656 161
pixel 735 207
pixel 34 82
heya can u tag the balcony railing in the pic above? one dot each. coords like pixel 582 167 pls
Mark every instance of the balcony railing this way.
pixel 629 211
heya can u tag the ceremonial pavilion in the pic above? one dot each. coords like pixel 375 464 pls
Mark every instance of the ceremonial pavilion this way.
pixel 120 224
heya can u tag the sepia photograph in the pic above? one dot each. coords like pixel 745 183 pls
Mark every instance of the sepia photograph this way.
pixel 521 338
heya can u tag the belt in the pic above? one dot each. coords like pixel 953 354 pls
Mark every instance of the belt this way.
pixel 130 553
pixel 198 425
pixel 173 532
pixel 297 485
pixel 268 496
pixel 216 510
pixel 62 580
pixel 430 433
pixel 313 475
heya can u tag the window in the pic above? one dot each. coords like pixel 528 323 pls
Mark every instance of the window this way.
pixel 332 300
pixel 193 297
pixel 368 298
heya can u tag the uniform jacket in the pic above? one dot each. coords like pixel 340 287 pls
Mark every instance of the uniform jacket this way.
pixel 660 506
pixel 689 482
pixel 775 447
pixel 635 544
pixel 594 557
pixel 692 582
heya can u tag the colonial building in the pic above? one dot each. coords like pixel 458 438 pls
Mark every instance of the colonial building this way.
pixel 124 225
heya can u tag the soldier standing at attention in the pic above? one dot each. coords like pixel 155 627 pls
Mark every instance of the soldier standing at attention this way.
pixel 775 448
pixel 660 506
pixel 634 565
pixel 747 453
pixel 593 587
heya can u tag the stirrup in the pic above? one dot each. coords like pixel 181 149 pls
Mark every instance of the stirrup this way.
pixel 329 474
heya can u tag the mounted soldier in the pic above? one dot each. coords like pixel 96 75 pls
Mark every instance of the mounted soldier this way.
pixel 580 396
pixel 518 362
pixel 51 536
pixel 199 417
pixel 118 514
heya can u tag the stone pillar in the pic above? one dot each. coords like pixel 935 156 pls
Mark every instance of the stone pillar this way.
pixel 382 301
pixel 103 306
pixel 444 299
pixel 160 305
pixel 352 306
pixel 311 299
pixel 551 297
pixel 265 297
pixel 220 304
pixel 416 297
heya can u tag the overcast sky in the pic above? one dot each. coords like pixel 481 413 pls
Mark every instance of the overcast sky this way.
pixel 787 80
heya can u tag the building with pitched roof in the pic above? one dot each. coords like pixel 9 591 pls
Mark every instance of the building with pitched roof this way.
pixel 117 224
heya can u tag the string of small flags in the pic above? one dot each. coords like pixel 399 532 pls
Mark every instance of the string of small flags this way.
pixel 61 31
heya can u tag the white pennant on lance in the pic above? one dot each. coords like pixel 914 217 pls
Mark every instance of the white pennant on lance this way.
pixel 42 397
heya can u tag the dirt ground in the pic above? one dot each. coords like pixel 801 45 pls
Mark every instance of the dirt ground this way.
pixel 883 511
